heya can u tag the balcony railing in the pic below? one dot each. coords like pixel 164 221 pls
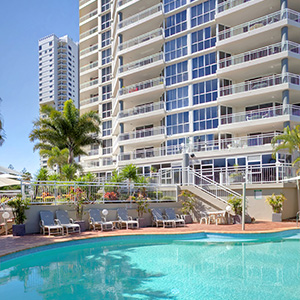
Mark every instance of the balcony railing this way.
pixel 89 66
pixel 89 32
pixel 142 15
pixel 142 133
pixel 122 2
pixel 260 83
pixel 270 112
pixel 88 101
pixel 259 53
pixel 141 109
pixel 89 15
pixel 141 62
pixel 140 39
pixel 141 86
pixel 81 2
pixel 89 49
pixel 89 83
pixel 230 4
pixel 93 152
pixel 260 22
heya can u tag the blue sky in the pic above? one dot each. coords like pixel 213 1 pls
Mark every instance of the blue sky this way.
pixel 22 24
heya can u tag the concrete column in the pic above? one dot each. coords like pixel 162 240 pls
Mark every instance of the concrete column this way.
pixel 284 38
pixel 285 104
pixel 283 4
pixel 185 165
pixel 284 68
pixel 121 128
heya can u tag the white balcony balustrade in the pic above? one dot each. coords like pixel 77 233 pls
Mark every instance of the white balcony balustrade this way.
pixel 141 109
pixel 88 16
pixel 89 101
pixel 93 152
pixel 89 83
pixel 230 4
pixel 123 2
pixel 88 32
pixel 142 133
pixel 89 66
pixel 89 49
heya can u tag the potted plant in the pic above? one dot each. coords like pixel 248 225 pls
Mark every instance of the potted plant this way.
pixel 236 176
pixel 19 206
pixel 188 204
pixel 142 208
pixel 276 202
pixel 236 204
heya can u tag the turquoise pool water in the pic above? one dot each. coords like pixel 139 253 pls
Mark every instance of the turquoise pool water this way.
pixel 195 266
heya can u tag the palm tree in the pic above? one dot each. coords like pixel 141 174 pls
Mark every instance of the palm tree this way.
pixel 67 129
pixel 56 157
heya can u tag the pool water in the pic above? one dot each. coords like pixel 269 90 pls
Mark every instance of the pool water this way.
pixel 156 267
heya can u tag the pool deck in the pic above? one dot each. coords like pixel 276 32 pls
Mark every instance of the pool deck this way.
pixel 10 244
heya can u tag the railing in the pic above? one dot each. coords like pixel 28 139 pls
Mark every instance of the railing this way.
pixel 258 114
pixel 259 53
pixel 260 22
pixel 88 32
pixel 89 15
pixel 88 101
pixel 140 39
pixel 141 62
pixel 142 15
pixel 230 4
pixel 142 133
pixel 260 83
pixel 141 85
pixel 89 66
pixel 89 49
pixel 122 2
pixel 141 109
pixel 93 152
pixel 81 2
pixel 89 83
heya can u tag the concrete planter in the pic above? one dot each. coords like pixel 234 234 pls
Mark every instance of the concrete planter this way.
pixel 18 230
pixel 82 225
pixel 142 222
pixel 276 217
pixel 187 218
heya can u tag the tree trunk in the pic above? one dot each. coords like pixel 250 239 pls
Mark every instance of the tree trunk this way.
pixel 71 156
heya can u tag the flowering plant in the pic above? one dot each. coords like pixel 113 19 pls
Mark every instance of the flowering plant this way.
pixel 111 196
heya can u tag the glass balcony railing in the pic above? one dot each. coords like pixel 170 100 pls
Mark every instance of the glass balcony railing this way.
pixel 141 62
pixel 258 114
pixel 141 86
pixel 140 39
pixel 142 133
pixel 259 53
pixel 93 152
pixel 89 49
pixel 81 2
pixel 89 83
pixel 89 66
pixel 88 101
pixel 89 32
pixel 230 4
pixel 142 15
pixel 286 14
pixel 122 2
pixel 260 83
pixel 141 109
pixel 89 15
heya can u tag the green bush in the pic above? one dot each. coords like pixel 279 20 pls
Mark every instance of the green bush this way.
pixel 236 203
pixel 19 206
pixel 276 202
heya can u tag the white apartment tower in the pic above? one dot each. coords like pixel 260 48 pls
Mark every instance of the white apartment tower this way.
pixel 58 73
pixel 216 78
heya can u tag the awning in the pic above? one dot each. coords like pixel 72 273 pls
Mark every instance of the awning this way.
pixel 8 181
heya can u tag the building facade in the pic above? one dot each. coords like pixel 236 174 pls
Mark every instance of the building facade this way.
pixel 216 78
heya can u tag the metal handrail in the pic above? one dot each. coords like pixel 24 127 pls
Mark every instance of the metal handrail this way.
pixel 89 15
pixel 88 32
pixel 230 4
pixel 141 109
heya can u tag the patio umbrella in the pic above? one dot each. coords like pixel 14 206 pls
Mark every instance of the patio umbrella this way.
pixel 8 181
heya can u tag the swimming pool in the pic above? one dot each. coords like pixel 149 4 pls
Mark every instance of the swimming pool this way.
pixel 191 266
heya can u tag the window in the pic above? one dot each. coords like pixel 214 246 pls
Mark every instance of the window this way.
pixel 106 147
pixel 50 43
pixel 178 123
pixel 205 142
pixel 176 48
pixel 205 91
pixel 105 21
pixel 177 98
pixel 106 128
pixel 105 38
pixel 106 56
pixel 105 5
pixel 172 4
pixel 69 48
pixel 202 13
pixel 206 118
pixel 174 146
pixel 40 48
pixel 106 110
pixel 106 74
pixel 175 23
pixel 202 40
pixel 106 92
pixel 177 73
pixel 204 65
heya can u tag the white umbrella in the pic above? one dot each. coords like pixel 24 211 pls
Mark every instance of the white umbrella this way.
pixel 7 182
pixel 8 176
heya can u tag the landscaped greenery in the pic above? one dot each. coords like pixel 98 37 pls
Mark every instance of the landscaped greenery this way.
pixel 276 202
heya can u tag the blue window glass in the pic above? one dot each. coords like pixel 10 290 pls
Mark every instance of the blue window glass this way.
pixel 178 123
pixel 174 146
pixel 175 23
pixel 177 98
pixel 106 128
pixel 202 13
pixel 204 65
pixel 172 4
pixel 176 48
pixel 202 40
pixel 205 118
pixel 105 21
pixel 105 38
pixel 204 92
pixel 106 56
pixel 177 73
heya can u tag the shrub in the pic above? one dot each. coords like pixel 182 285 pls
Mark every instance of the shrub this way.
pixel 276 202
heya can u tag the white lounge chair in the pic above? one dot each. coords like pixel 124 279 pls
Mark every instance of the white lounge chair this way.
pixel 97 222
pixel 48 223
pixel 125 219
pixel 67 223
pixel 170 213
pixel 158 218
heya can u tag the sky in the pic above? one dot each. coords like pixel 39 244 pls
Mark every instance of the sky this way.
pixel 22 24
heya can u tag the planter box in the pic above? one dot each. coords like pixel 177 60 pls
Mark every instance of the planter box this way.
pixel 82 225
pixel 18 230
pixel 187 218
pixel 142 222
pixel 276 217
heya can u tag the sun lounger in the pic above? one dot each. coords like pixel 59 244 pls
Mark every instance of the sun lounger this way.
pixel 48 223
pixel 67 223
pixel 158 218
pixel 96 221
pixel 126 220
pixel 170 213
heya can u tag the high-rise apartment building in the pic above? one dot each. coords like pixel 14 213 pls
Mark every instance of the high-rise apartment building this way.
pixel 219 78
pixel 58 73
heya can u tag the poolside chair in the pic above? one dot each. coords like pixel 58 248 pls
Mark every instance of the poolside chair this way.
pixel 158 218
pixel 97 222
pixel 170 213
pixel 67 223
pixel 48 223
pixel 126 220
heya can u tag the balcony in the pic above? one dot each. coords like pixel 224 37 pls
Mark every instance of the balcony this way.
pixel 89 83
pixel 141 110
pixel 230 4
pixel 81 2
pixel 141 62
pixel 139 134
pixel 89 49
pixel 89 101
pixel 88 32
pixel 123 2
pixel 93 152
pixel 88 16
pixel 89 66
